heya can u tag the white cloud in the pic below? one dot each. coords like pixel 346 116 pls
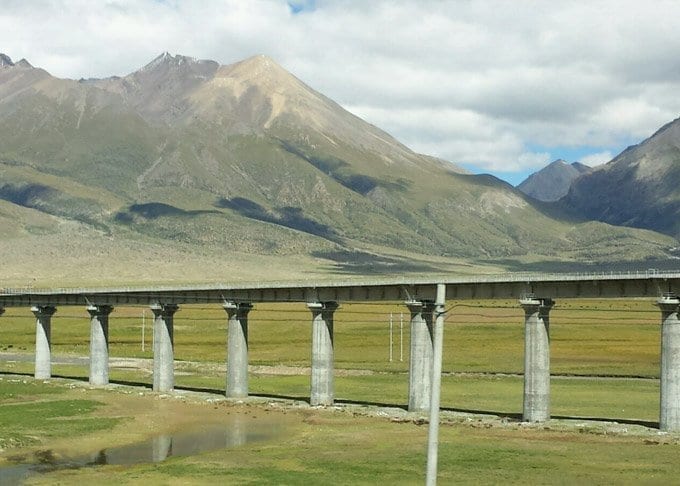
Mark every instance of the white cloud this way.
pixel 634 116
pixel 599 158
pixel 475 81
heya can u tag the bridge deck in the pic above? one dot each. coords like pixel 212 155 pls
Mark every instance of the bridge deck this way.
pixel 508 286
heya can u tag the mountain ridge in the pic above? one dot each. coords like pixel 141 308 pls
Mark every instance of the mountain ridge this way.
pixel 638 188
pixel 247 157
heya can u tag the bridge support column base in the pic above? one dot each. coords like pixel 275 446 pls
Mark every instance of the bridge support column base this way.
pixel 669 413
pixel 99 344
pixel 163 349
pixel 43 340
pixel 322 383
pixel 237 349
pixel 422 356
pixel 536 406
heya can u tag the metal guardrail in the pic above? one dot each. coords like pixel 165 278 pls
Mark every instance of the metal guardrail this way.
pixel 514 277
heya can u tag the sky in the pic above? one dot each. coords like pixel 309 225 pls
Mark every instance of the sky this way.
pixel 496 86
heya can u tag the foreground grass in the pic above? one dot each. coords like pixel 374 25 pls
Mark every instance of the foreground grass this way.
pixel 354 451
pixel 25 421
pixel 341 447
pixel 341 450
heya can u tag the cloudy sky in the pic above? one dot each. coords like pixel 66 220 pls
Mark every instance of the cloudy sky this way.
pixel 496 86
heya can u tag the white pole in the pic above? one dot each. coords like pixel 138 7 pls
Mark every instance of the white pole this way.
pixel 390 337
pixel 143 326
pixel 401 336
pixel 153 337
pixel 433 432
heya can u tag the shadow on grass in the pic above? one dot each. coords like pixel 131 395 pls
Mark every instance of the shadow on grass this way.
pixel 78 378
pixel 356 262
pixel 516 417
pixel 576 267
pixel 644 423
pixel 287 216
pixel 366 403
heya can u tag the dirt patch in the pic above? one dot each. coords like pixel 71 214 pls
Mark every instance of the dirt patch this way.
pixel 146 364
pixel 301 370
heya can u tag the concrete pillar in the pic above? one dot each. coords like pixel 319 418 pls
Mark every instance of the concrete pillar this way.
pixel 163 348
pixel 322 389
pixel 99 344
pixel 536 359
pixel 422 355
pixel 669 416
pixel 43 340
pixel 237 349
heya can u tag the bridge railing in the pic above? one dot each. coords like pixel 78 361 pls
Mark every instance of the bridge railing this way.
pixel 401 280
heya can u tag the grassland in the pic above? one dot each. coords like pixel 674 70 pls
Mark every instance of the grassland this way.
pixel 611 337
pixel 320 446
pixel 605 356
pixel 592 342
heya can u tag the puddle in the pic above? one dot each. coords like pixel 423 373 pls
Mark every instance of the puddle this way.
pixel 157 449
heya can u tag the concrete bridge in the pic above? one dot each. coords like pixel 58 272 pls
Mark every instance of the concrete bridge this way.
pixel 535 293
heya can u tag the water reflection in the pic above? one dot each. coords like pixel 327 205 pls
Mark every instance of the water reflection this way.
pixel 161 448
pixel 157 449
pixel 187 443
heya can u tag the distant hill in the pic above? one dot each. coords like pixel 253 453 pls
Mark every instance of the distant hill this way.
pixel 246 159
pixel 639 188
pixel 553 181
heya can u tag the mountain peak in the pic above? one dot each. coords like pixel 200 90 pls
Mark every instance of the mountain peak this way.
pixel 167 59
pixel 266 73
pixel 553 181
pixel 582 168
pixel 24 64
pixel 5 60
pixel 167 66
pixel 260 65
pixel 260 60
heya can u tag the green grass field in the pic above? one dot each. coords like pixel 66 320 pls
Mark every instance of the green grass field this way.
pixel 609 337
pixel 597 350
pixel 588 339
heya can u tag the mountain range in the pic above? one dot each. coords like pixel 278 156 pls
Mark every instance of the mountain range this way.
pixel 639 188
pixel 243 171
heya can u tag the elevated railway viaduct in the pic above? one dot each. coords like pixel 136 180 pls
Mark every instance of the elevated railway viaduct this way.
pixel 535 293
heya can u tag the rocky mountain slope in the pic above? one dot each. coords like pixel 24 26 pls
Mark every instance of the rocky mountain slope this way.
pixel 247 158
pixel 639 188
pixel 553 181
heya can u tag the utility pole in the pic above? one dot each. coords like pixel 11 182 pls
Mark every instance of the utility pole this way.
pixel 401 336
pixel 433 431
pixel 390 337
pixel 143 327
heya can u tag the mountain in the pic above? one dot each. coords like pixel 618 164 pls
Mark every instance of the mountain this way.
pixel 553 181
pixel 5 60
pixel 639 188
pixel 209 161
